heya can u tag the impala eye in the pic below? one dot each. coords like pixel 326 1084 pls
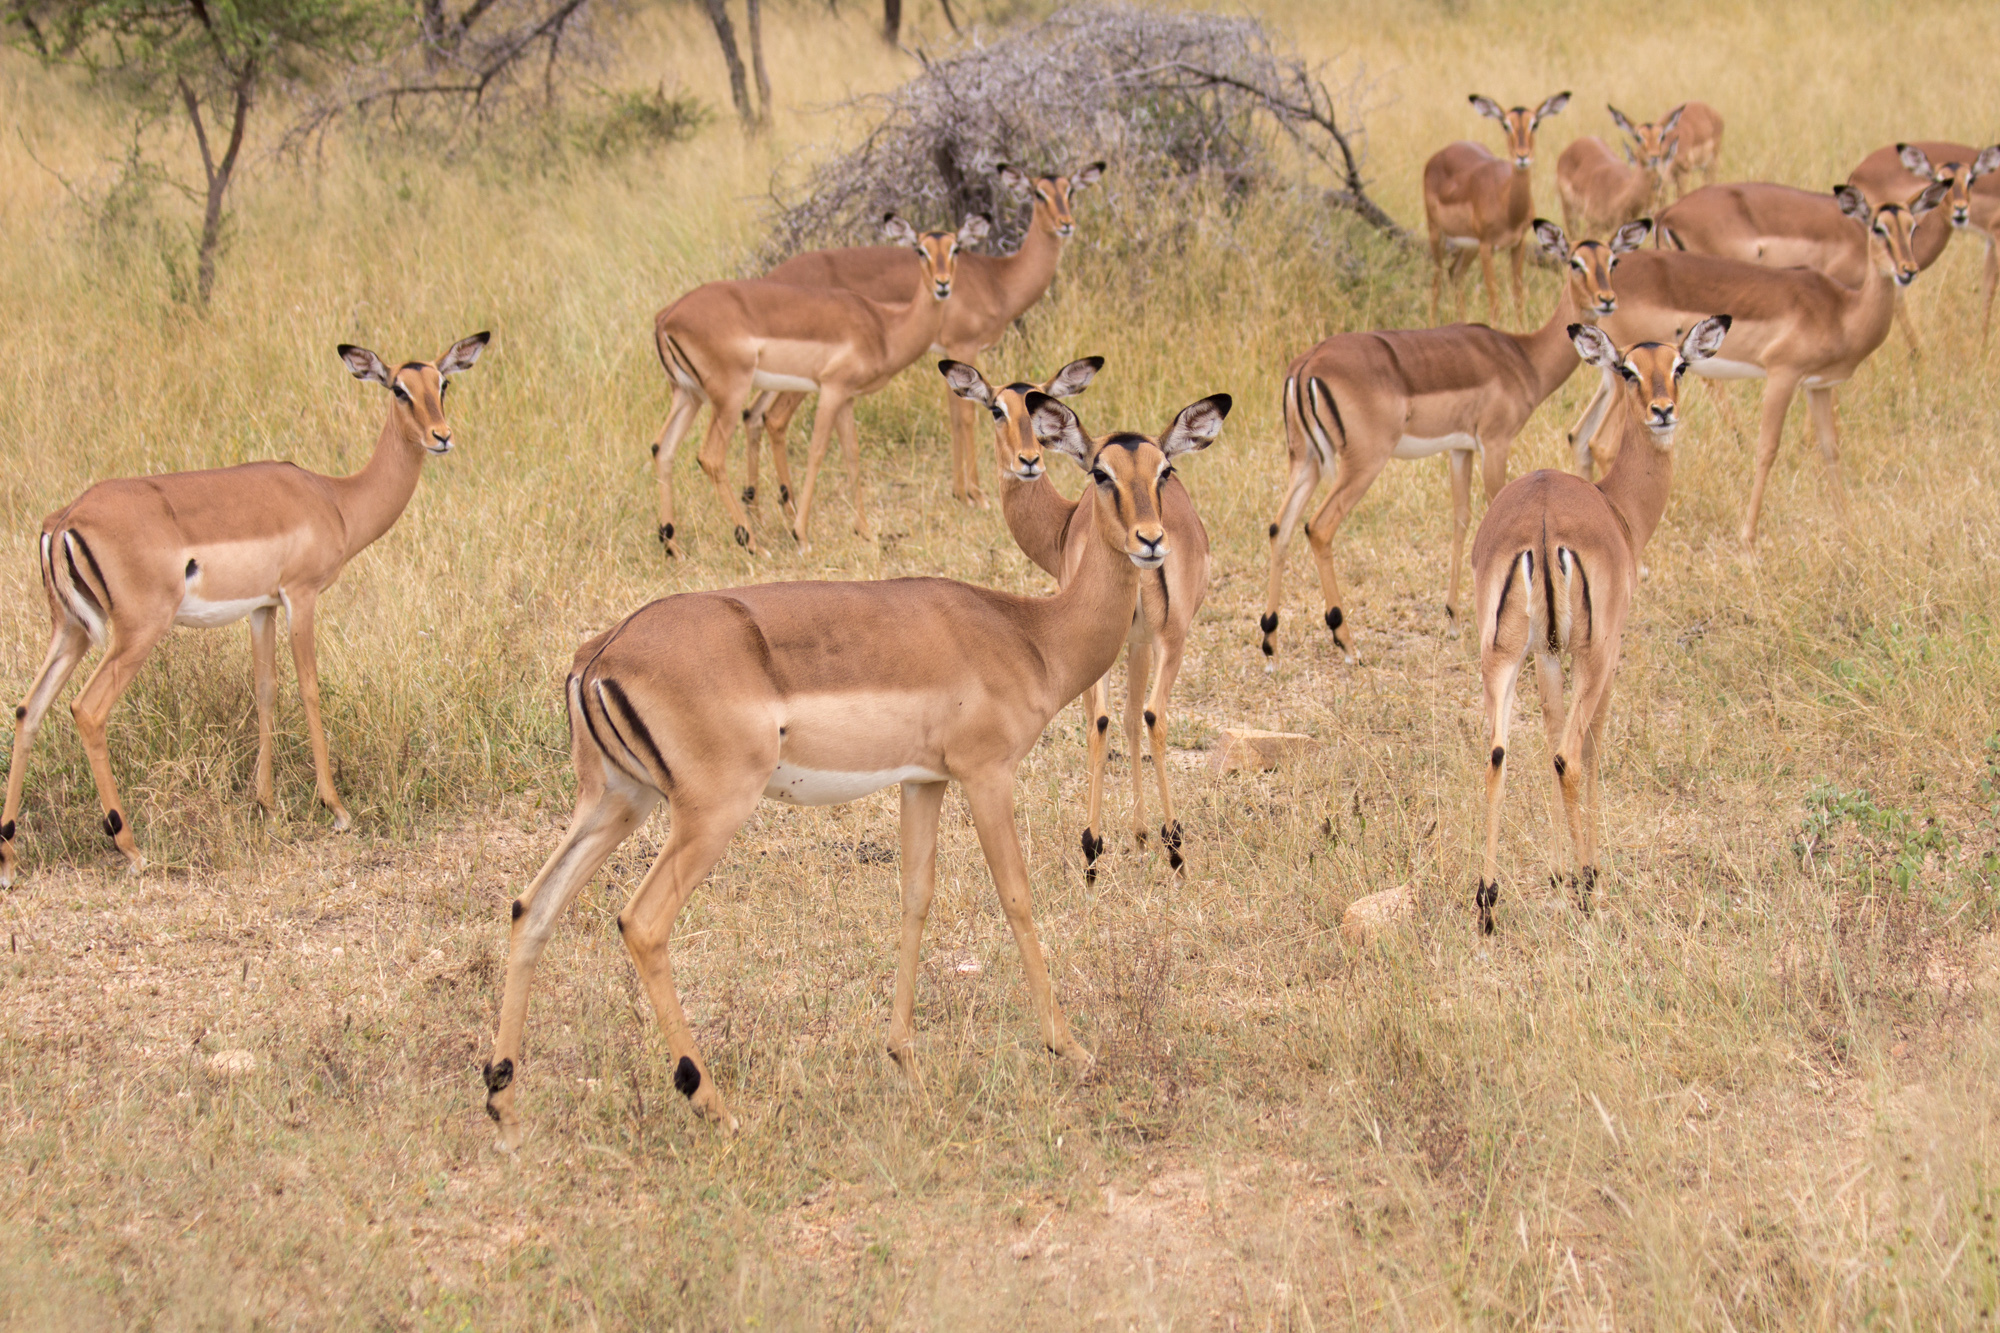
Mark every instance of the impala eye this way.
pixel 999 413
pixel 1100 476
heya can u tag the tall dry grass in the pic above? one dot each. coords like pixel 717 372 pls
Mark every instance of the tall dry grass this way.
pixel 1753 1090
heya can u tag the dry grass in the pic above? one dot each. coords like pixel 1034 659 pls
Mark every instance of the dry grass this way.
pixel 1754 1090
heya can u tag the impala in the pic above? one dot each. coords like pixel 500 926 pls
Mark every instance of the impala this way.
pixel 1047 527
pixel 1690 135
pixel 725 342
pixel 1555 566
pixel 1794 327
pixel 1900 171
pixel 988 295
pixel 1600 192
pixel 128 560
pixel 816 693
pixel 1476 201
pixel 1360 399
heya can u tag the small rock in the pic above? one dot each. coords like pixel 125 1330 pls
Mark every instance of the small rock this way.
pixel 1246 747
pixel 233 1062
pixel 1367 919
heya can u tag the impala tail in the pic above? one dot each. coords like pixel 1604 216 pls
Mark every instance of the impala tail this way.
pixel 75 582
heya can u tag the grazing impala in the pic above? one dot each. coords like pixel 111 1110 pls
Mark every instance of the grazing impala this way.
pixel 1476 201
pixel 1555 567
pixel 1601 193
pixel 988 295
pixel 725 342
pixel 1360 399
pixel 1900 171
pixel 128 560
pixel 816 693
pixel 1045 526
pixel 1795 327
pixel 1690 134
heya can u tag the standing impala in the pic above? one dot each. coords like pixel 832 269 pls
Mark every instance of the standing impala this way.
pixel 989 294
pixel 1046 526
pixel 128 560
pixel 726 342
pixel 1689 136
pixel 817 693
pixel 1795 328
pixel 1901 170
pixel 1360 399
pixel 1555 566
pixel 1476 201
pixel 1601 193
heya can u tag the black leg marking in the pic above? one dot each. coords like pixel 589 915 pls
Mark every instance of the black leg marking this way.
pixel 7 831
pixel 1103 722
pixel 656 450
pixel 749 495
pixel 1269 624
pixel 1499 755
pixel 1274 532
pixel 1486 896
pixel 192 569
pixel 1586 881
pixel 518 909
pixel 1561 767
pixel 742 536
pixel 20 711
pixel 1151 720
pixel 1093 847
pixel 784 495
pixel 1334 620
pixel 1170 838
pixel 687 1077
pixel 499 1075
pixel 113 823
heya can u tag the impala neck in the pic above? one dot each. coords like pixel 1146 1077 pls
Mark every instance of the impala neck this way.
pixel 1867 316
pixel 1037 516
pixel 1640 477
pixel 373 499
pixel 911 328
pixel 1550 350
pixel 1023 277
pixel 1082 627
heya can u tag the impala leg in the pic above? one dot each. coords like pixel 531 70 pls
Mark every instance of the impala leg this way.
pixel 850 445
pixel 824 414
pixel 696 842
pixel 1820 403
pixel 1156 727
pixel 124 653
pixel 1574 757
pixel 1549 680
pixel 1500 672
pixel 679 418
pixel 1353 474
pixel 1097 722
pixel 753 427
pixel 965 452
pixel 1461 519
pixel 305 662
pixel 1903 322
pixel 1492 283
pixel 1593 740
pixel 1520 291
pixel 714 458
pixel 1990 280
pixel 609 806
pixel 1777 400
pixel 1586 428
pixel 778 425
pixel 921 801
pixel 992 799
pixel 1724 402
pixel 1138 666
pixel 264 673
pixel 1437 268
pixel 1298 492
pixel 67 644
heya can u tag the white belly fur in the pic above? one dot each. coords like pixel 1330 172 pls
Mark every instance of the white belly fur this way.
pixel 207 615
pixel 1410 446
pixel 1716 368
pixel 816 786
pixel 764 379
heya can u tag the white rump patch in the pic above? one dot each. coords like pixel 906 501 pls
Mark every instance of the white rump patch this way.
pixel 817 786
pixel 1412 446
pixel 764 379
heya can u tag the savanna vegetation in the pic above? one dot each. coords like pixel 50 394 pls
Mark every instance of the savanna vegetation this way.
pixel 1753 1089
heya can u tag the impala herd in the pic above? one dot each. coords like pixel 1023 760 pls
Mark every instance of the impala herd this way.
pixel 814 693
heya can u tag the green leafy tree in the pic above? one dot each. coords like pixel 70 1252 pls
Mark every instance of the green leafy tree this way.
pixel 210 61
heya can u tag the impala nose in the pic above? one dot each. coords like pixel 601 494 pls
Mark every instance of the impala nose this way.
pixel 440 442
pixel 942 290
pixel 1960 217
pixel 1663 416
pixel 1152 550
pixel 1063 229
pixel 1027 468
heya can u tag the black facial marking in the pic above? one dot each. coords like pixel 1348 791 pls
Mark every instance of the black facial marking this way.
pixel 192 569
pixel 1334 620
pixel 113 823
pixel 518 909
pixel 687 1077
pixel 1499 755
pixel 1150 719
pixel 499 1075
pixel 742 536
pixel 7 831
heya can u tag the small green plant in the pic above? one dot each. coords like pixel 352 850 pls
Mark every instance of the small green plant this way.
pixel 1901 837
pixel 641 118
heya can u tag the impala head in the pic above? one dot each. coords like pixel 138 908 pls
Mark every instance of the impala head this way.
pixel 1590 262
pixel 1013 433
pixel 1051 194
pixel 1127 469
pixel 1520 123
pixel 1891 224
pixel 1652 372
pixel 937 249
pixel 1957 176
pixel 1654 144
pixel 418 387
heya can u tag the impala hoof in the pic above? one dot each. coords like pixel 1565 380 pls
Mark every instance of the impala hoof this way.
pixel 341 822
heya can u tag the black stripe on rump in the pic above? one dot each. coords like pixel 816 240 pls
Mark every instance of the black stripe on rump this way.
pixel 1317 391
pixel 1589 616
pixel 76 578
pixel 1506 586
pixel 613 692
pixel 1549 592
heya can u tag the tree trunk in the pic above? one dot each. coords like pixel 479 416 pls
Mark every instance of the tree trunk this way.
pixel 431 22
pixel 757 64
pixel 218 173
pixel 725 33
pixel 892 21
pixel 949 17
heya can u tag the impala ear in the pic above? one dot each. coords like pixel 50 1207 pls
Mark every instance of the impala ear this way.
pixel 1057 428
pixel 1672 121
pixel 976 227
pixel 1015 180
pixel 1631 236
pixel 1085 178
pixel 1074 378
pixel 1852 204
pixel 464 354
pixel 898 230
pixel 1618 118
pixel 1630 156
pixel 1197 426
pixel 1933 195
pixel 1673 151
pixel 1550 237
pixel 1988 160
pixel 966 382
pixel 1704 340
pixel 364 363
pixel 1487 107
pixel 1594 345
pixel 1549 108
pixel 1915 161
